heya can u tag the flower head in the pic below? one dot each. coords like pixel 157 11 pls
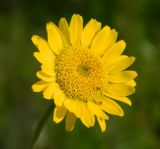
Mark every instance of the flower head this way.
pixel 83 71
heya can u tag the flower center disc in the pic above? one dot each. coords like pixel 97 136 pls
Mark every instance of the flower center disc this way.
pixel 79 73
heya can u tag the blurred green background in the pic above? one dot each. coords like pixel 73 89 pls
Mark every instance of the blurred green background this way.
pixel 138 23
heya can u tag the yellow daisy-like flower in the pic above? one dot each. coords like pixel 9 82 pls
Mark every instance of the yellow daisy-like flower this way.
pixel 82 71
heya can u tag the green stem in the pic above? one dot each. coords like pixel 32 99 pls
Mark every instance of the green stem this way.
pixel 41 125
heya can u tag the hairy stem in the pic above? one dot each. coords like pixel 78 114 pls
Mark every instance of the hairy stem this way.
pixel 41 124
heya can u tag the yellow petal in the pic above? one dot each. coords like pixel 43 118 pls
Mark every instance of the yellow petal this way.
pixel 39 86
pixel 43 76
pixel 111 39
pixel 76 27
pixel 115 50
pixel 78 108
pixel 48 69
pixel 131 83
pixel 44 60
pixel 120 89
pixel 55 38
pixel 111 61
pixel 45 54
pixel 84 117
pixel 59 97
pixel 111 107
pixel 95 109
pixel 89 31
pixel 102 123
pixel 38 56
pixel 50 90
pixel 87 117
pixel 81 110
pixel 59 114
pixel 119 98
pixel 121 65
pixel 70 121
pixel 103 40
pixel 43 47
pixel 63 26
pixel 122 77
pixel 70 104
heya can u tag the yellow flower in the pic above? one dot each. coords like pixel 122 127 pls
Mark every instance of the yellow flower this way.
pixel 83 71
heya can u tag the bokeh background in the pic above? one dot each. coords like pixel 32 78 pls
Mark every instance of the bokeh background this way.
pixel 138 23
